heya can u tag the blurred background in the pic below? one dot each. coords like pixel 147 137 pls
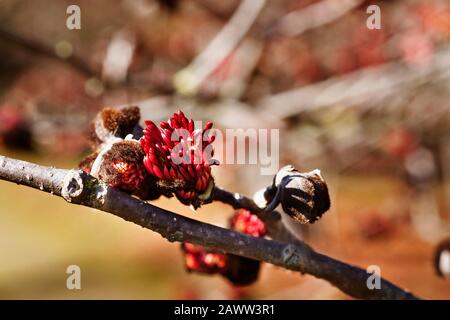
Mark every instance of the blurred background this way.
pixel 370 108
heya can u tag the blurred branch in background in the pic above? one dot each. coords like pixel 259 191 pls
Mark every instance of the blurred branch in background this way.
pixel 189 79
pixel 118 57
pixel 314 16
pixel 362 88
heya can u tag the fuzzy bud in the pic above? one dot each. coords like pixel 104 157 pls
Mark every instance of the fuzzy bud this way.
pixel 117 158
pixel 303 196
pixel 121 166
pixel 112 122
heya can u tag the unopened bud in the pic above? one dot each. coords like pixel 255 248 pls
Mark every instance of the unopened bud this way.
pixel 303 196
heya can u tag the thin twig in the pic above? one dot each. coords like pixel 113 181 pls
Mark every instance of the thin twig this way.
pixel 79 188
pixel 272 220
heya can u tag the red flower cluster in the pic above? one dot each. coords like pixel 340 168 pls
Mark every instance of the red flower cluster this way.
pixel 131 175
pixel 198 259
pixel 177 155
pixel 238 270
pixel 246 222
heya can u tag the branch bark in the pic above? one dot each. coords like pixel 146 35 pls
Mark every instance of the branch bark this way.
pixel 77 187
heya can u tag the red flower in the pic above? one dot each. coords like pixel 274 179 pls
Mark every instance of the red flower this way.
pixel 199 260
pixel 238 270
pixel 179 156
pixel 246 222
pixel 131 175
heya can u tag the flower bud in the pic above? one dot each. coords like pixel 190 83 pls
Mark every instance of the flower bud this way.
pixel 112 122
pixel 120 166
pixel 303 196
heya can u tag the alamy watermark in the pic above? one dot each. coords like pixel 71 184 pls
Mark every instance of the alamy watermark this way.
pixel 231 146
pixel 73 281
pixel 374 280
pixel 374 20
pixel 73 21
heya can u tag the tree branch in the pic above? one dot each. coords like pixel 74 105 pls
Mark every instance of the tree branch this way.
pixel 190 78
pixel 314 16
pixel 79 188
pixel 362 88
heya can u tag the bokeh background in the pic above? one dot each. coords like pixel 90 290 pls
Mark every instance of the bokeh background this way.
pixel 370 108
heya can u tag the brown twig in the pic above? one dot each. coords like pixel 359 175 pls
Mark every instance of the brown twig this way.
pixel 275 228
pixel 79 188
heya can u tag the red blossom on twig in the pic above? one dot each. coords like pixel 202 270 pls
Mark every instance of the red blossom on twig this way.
pixel 246 222
pixel 179 157
pixel 197 259
pixel 238 270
